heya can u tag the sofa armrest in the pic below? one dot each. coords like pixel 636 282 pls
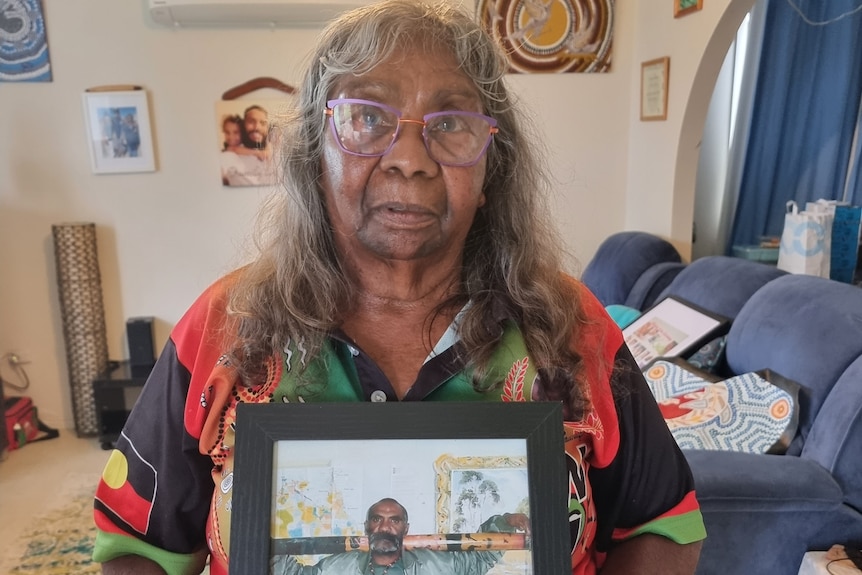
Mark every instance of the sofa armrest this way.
pixel 743 482
pixel 835 441
pixel 620 261
pixel 763 512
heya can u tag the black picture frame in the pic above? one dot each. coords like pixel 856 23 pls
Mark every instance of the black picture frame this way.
pixel 259 428
pixel 673 327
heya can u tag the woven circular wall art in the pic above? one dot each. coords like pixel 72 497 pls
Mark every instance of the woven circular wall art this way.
pixel 552 36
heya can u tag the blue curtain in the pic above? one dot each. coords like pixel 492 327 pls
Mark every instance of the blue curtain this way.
pixel 804 116
pixel 853 191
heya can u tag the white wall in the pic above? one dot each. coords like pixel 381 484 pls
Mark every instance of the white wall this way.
pixel 663 156
pixel 163 236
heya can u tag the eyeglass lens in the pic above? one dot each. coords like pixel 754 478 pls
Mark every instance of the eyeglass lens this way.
pixel 453 138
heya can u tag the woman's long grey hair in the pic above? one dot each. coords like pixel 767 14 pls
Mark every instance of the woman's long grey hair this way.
pixel 296 288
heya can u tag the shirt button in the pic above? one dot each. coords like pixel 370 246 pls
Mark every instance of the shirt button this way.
pixel 378 396
pixel 353 351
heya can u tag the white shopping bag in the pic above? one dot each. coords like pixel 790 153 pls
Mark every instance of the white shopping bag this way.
pixel 806 242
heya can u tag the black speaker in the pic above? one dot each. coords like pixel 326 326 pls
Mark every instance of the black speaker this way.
pixel 139 333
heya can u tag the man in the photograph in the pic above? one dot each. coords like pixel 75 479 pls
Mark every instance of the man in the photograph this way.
pixel 255 132
pixel 385 526
pixel 249 164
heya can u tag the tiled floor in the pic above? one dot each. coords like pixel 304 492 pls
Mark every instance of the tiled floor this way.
pixel 33 478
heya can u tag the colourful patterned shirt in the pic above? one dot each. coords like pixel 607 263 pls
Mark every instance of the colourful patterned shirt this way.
pixel 165 492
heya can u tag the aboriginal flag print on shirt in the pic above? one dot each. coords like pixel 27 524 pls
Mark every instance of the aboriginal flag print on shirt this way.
pixel 134 502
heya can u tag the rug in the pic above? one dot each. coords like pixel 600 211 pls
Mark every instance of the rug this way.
pixel 58 541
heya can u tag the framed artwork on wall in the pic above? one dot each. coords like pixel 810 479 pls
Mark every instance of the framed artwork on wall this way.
pixel 307 477
pixel 551 36
pixel 118 131
pixel 685 7
pixel 654 84
pixel 463 481
pixel 24 53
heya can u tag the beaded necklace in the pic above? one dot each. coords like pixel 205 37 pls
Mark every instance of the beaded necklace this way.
pixel 372 568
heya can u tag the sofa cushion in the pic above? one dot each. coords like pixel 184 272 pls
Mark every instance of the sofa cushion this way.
pixel 721 284
pixel 620 261
pixel 804 327
pixel 751 413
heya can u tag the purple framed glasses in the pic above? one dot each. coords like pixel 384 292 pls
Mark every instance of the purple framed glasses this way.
pixel 452 138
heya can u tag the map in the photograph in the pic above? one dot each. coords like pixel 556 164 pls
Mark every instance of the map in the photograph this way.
pixel 314 502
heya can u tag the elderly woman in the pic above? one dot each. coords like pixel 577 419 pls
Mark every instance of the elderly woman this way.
pixel 408 258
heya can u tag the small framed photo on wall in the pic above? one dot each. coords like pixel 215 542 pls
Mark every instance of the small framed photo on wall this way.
pixel 118 131
pixel 685 7
pixel 249 141
pixel 654 82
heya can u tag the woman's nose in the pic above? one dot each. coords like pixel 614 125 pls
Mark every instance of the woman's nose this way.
pixel 408 153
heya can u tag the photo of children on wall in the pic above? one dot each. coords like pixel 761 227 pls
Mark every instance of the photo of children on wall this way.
pixel 248 135
pixel 118 131
pixel 121 137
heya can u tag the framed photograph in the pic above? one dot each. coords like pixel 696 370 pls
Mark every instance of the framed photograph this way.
pixel 684 7
pixel 118 131
pixel 671 328
pixel 307 476
pixel 248 140
pixel 654 82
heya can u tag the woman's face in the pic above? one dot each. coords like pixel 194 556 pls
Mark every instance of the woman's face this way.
pixel 404 205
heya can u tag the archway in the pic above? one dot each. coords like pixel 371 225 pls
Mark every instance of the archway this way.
pixel 691 130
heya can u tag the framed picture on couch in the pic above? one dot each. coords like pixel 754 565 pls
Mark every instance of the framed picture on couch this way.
pixel 672 328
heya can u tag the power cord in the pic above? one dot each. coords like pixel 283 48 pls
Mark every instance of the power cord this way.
pixel 17 365
pixel 829 568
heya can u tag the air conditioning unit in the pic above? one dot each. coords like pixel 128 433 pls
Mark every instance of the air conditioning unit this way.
pixel 256 13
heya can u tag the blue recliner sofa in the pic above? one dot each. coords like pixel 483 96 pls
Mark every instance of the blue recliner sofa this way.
pixel 763 512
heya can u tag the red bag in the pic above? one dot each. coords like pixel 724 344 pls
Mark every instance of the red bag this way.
pixel 22 423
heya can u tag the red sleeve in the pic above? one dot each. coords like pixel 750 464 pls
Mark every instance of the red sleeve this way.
pixel 640 478
pixel 157 485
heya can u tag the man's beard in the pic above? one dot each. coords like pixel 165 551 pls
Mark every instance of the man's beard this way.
pixel 255 144
pixel 384 544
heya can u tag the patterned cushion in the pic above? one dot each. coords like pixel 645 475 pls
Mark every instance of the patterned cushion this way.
pixel 753 412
